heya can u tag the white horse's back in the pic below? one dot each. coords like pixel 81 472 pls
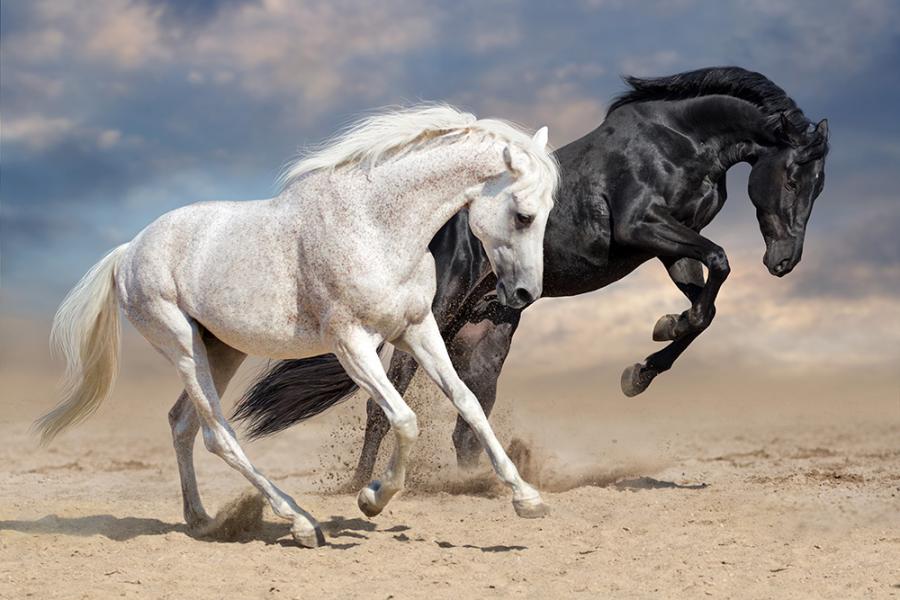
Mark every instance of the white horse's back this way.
pixel 230 266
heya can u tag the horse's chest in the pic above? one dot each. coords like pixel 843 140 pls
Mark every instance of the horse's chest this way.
pixel 389 301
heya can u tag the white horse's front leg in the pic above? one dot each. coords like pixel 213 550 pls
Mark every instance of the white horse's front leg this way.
pixel 424 342
pixel 357 353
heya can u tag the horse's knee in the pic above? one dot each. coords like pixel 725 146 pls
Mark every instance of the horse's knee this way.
pixel 717 262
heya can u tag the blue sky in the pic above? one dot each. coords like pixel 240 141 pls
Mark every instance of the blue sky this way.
pixel 115 111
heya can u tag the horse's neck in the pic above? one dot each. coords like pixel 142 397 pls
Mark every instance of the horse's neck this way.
pixel 733 129
pixel 413 195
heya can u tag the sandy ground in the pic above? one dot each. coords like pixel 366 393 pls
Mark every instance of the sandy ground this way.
pixel 739 486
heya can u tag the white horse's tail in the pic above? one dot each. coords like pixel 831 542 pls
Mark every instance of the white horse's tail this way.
pixel 86 332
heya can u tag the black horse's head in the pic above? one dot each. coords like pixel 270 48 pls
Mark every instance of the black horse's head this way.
pixel 784 183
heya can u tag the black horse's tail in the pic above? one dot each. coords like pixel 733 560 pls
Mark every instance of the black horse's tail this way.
pixel 293 391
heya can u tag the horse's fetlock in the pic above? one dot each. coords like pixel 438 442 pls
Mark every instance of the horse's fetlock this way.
pixel 698 319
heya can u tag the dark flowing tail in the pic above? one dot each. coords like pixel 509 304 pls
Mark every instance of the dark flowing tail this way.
pixel 293 391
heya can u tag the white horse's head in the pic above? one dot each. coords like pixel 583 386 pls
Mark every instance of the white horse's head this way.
pixel 508 214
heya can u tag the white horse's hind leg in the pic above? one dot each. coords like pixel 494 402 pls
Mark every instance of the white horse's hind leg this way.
pixel 185 425
pixel 224 362
pixel 357 354
pixel 424 342
pixel 179 338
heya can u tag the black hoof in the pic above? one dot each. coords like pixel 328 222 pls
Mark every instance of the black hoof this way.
pixel 367 500
pixel 636 379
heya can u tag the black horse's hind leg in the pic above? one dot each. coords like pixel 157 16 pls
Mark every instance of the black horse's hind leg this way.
pixel 403 369
pixel 478 353
pixel 687 274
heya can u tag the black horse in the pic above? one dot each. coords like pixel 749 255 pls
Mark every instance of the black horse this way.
pixel 642 185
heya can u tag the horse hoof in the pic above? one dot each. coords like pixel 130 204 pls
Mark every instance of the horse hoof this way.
pixel 197 522
pixel 366 500
pixel 308 538
pixel 633 383
pixel 533 508
pixel 664 330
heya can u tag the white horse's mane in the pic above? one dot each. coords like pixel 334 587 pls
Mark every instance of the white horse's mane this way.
pixel 392 129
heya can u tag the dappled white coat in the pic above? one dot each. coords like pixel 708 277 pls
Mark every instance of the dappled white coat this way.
pixel 337 262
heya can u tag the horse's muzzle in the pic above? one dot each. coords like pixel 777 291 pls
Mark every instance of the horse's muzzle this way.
pixel 781 257
pixel 518 299
pixel 782 268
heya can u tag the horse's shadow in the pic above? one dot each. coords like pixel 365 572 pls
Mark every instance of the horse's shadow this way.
pixel 115 528
pixel 120 529
pixel 649 483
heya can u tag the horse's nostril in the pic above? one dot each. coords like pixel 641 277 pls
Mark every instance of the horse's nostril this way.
pixel 524 296
pixel 781 267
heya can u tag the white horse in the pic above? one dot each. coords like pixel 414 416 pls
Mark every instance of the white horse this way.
pixel 337 262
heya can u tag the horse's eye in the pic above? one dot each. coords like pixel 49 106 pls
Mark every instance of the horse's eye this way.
pixel 524 220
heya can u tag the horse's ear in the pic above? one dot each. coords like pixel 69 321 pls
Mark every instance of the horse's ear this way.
pixel 540 137
pixel 816 143
pixel 785 125
pixel 508 159
pixel 786 129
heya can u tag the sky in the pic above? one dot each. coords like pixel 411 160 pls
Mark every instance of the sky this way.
pixel 113 112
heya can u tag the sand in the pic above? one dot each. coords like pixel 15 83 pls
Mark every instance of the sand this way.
pixel 739 486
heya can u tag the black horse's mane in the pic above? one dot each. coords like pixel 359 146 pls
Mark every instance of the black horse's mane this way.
pixel 753 87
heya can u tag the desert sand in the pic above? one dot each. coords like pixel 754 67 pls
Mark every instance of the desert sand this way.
pixel 733 485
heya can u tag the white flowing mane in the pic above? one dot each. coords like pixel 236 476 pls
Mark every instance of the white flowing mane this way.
pixel 369 139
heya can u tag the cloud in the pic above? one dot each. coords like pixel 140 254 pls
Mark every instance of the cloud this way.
pixel 556 96
pixel 651 65
pixel 128 35
pixel 860 259
pixel 36 132
pixel 308 53
pixel 117 32
pixel 809 36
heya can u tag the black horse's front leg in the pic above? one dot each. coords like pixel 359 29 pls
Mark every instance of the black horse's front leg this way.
pixel 673 243
pixel 478 352
pixel 687 275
